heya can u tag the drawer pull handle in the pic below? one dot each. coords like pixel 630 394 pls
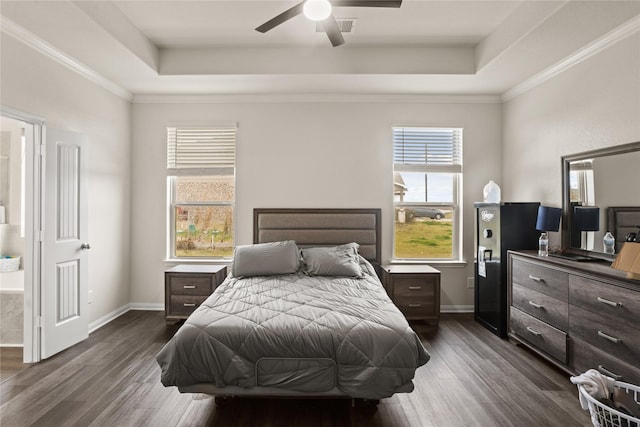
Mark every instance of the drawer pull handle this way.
pixel 186 304
pixel 535 279
pixel 611 303
pixel 609 337
pixel 533 304
pixel 414 305
pixel 415 288
pixel 608 373
pixel 189 286
pixel 533 331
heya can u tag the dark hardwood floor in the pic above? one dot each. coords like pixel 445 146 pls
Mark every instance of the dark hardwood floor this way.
pixel 112 379
pixel 10 362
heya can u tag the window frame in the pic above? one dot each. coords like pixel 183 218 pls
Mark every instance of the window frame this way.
pixel 172 204
pixel 457 173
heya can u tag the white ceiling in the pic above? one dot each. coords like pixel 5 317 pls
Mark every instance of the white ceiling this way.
pixel 451 47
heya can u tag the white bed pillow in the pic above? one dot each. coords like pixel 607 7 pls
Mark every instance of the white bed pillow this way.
pixel 265 259
pixel 340 260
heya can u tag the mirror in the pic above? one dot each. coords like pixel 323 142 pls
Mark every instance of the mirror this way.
pixel 608 179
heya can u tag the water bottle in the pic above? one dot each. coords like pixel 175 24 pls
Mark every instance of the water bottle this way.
pixel 609 243
pixel 543 245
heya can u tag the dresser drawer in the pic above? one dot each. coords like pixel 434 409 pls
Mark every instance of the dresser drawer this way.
pixel 184 305
pixel 190 285
pixel 585 356
pixel 611 337
pixel 538 333
pixel 541 306
pixel 617 304
pixel 548 281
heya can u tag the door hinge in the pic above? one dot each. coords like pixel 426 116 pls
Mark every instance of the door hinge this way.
pixel 40 149
pixel 41 236
pixel 38 322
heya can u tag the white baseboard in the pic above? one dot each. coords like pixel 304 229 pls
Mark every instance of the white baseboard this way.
pixel 12 345
pixel 456 309
pixel 93 326
pixel 146 306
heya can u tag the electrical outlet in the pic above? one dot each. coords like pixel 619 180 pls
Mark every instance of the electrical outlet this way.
pixel 470 283
pixel 90 297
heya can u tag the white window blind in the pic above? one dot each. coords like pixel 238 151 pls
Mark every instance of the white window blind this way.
pixel 427 149
pixel 201 150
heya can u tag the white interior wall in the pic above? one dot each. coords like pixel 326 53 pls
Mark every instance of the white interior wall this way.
pixel 592 105
pixel 305 154
pixel 34 84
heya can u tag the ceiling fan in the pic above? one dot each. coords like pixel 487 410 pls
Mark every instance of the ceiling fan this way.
pixel 320 10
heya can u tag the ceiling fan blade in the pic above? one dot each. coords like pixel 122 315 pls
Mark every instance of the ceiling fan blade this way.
pixel 283 17
pixel 333 31
pixel 366 3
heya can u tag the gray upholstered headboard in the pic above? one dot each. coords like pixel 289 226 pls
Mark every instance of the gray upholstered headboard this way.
pixel 622 221
pixel 321 227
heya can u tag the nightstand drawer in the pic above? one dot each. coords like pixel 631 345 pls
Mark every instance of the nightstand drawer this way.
pixel 187 286
pixel 417 308
pixel 546 280
pixel 541 306
pixel 414 287
pixel 184 305
pixel 543 336
pixel 190 285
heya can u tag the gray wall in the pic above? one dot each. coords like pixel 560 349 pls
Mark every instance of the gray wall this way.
pixel 35 84
pixel 307 153
pixel 594 104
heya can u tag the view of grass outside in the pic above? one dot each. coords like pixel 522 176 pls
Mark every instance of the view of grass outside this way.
pixel 203 216
pixel 424 238
pixel 204 231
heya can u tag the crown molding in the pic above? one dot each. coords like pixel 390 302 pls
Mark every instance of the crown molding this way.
pixel 25 36
pixel 316 98
pixel 611 38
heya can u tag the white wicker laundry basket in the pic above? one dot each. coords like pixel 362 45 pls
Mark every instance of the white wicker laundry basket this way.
pixel 605 416
pixel 9 264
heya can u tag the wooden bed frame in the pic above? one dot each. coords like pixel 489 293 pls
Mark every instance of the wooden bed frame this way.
pixel 308 227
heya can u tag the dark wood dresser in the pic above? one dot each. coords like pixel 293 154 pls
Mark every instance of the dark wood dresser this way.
pixel 577 315
pixel 414 289
pixel 187 286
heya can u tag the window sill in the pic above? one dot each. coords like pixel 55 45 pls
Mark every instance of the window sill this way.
pixel 198 261
pixel 448 262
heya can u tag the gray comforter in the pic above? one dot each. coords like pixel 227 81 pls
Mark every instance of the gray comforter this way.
pixel 297 332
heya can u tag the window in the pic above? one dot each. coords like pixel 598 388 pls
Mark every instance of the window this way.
pixel 201 187
pixel 427 177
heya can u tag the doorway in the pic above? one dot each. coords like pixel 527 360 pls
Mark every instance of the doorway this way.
pixel 20 184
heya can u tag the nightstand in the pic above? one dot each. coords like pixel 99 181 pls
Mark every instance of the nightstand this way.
pixel 187 286
pixel 415 290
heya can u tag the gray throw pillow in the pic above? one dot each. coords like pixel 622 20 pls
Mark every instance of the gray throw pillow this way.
pixel 265 259
pixel 340 260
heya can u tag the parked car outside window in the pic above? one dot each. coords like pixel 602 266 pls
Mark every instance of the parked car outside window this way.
pixel 424 212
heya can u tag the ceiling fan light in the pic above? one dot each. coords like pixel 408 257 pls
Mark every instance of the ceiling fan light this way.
pixel 317 10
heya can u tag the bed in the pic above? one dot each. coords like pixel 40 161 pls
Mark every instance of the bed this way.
pixel 302 313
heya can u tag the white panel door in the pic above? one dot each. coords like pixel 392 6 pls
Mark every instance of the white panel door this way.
pixel 65 319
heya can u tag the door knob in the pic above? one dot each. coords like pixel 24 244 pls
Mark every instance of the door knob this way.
pixel 85 246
